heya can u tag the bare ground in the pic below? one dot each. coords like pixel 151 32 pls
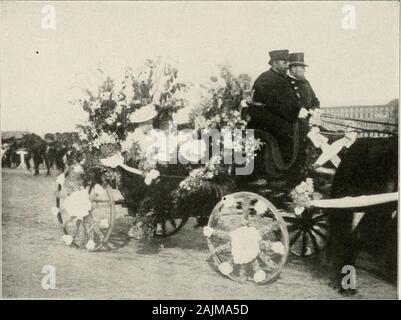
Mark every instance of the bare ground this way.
pixel 177 267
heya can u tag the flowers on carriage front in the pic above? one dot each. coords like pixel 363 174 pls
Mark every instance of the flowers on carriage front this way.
pixel 302 196
pixel 78 204
pixel 315 119
pixel 150 176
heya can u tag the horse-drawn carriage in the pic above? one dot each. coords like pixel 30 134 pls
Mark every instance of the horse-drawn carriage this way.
pixel 250 228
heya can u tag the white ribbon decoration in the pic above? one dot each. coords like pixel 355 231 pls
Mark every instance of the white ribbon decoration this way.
pixel 355 202
pixel 330 151
pixel 118 160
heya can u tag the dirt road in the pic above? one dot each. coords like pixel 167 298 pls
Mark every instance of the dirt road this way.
pixel 177 267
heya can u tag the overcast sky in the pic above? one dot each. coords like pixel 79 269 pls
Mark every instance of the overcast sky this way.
pixel 347 67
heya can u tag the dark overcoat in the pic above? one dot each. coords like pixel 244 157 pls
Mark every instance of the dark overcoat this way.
pixel 307 97
pixel 280 112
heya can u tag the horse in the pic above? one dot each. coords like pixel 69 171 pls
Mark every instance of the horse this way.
pixel 370 166
pixel 36 148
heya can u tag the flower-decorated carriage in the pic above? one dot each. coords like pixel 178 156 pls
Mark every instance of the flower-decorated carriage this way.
pixel 137 156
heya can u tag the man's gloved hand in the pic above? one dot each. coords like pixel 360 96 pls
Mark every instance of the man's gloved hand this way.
pixel 303 113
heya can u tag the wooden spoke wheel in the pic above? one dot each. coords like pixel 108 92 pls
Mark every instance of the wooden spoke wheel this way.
pixel 248 211
pixel 92 229
pixel 167 225
pixel 308 232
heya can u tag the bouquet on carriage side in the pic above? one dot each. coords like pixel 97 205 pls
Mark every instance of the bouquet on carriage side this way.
pixel 220 111
pixel 115 139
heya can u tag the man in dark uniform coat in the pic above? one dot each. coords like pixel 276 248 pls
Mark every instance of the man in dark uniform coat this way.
pixel 279 108
pixel 301 85
pixel 307 98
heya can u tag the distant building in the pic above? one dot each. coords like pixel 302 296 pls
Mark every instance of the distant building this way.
pixel 380 113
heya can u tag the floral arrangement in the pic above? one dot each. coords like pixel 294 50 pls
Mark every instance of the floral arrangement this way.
pixel 302 195
pixel 220 108
pixel 110 129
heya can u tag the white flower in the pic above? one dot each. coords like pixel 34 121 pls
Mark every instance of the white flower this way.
pixel 309 181
pixel 90 245
pixel 83 135
pixel 104 224
pixel 153 174
pixel 244 104
pixel 78 169
pixel 67 239
pixel 278 247
pixel 303 113
pixel 78 204
pixel 181 116
pixel 104 138
pixel 261 207
pixel 208 231
pixel 315 119
pixel 245 244
pixel 119 108
pixel 109 120
pixel 60 179
pixel 259 276
pixel 225 268
pixel 113 161
pixel 298 210
pixel 106 95
pixel 55 211
pixel 229 201
pixel 209 175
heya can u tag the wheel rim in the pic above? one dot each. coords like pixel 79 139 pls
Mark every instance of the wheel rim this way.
pixel 97 226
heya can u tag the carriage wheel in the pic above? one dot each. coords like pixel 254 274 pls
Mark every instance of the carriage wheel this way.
pixel 167 225
pixel 308 232
pixel 248 209
pixel 93 231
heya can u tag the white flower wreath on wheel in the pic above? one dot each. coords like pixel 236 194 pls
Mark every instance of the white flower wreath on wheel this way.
pixel 246 242
pixel 78 204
